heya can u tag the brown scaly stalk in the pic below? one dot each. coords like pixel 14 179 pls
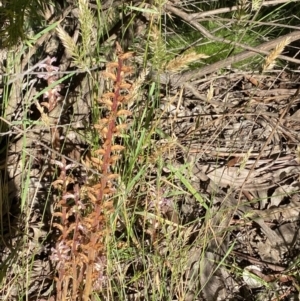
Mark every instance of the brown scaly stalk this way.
pixel 108 129
pixel 80 253
pixel 51 98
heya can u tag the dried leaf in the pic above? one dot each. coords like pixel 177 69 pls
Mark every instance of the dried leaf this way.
pixel 210 93
pixel 234 161
pixel 250 278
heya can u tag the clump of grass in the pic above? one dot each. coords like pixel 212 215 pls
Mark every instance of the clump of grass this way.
pixel 17 19
pixel 238 26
